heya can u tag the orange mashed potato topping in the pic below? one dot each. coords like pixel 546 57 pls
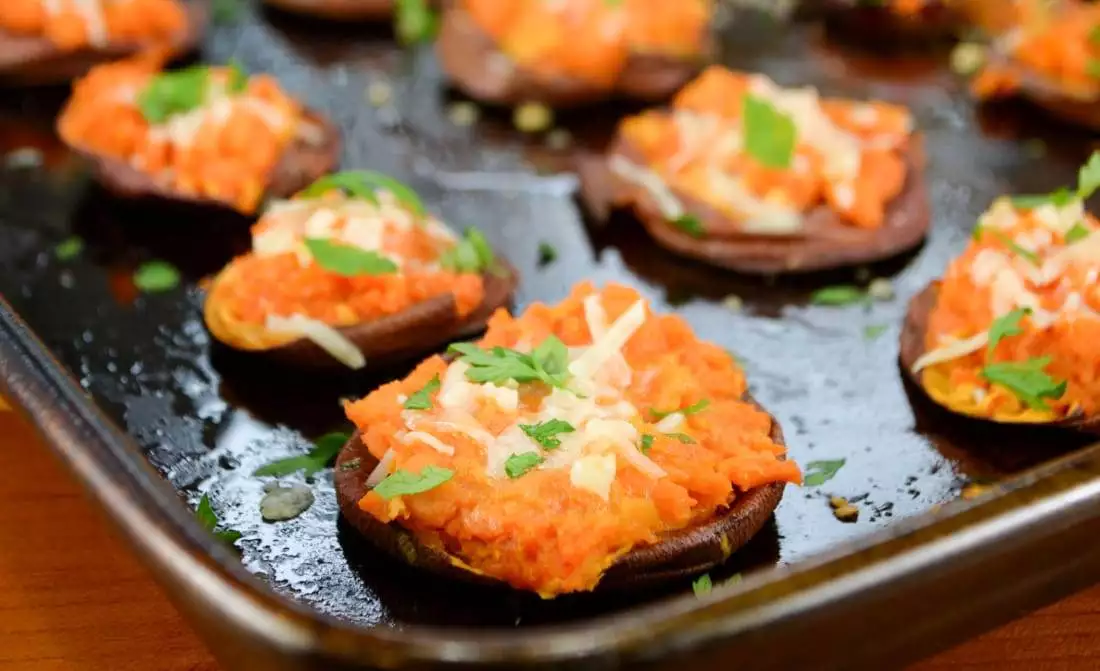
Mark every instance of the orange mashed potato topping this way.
pixel 398 254
pixel 591 39
pixel 849 156
pixel 1059 42
pixel 1014 331
pixel 635 429
pixel 75 24
pixel 210 132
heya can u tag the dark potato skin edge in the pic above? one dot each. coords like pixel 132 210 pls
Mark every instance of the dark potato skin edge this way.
pixel 880 27
pixel 26 60
pixel 338 10
pixel 836 245
pixel 474 65
pixel 911 348
pixel 679 555
pixel 1046 94
pixel 300 164
pixel 411 332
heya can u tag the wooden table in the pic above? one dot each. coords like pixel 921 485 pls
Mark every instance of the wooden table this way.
pixel 72 597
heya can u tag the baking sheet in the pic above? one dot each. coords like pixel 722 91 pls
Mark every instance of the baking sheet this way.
pixel 206 417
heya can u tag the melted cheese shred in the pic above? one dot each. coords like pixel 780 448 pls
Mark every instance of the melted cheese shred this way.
pixel 76 24
pixel 849 156
pixel 615 481
pixel 225 150
pixel 1045 260
pixel 281 278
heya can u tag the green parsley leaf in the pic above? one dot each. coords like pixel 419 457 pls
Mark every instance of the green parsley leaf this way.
pixel 698 406
pixel 1088 177
pixel 1077 233
pixel 647 443
pixel 156 276
pixel 472 254
pixel 347 260
pixel 682 437
pixel 238 78
pixel 422 400
pixel 414 21
pixel 1030 256
pixel 820 472
pixel 1094 35
pixel 1058 198
pixel 175 92
pixel 547 254
pixel 769 134
pixel 403 483
pixel 1004 327
pixel 317 459
pixel 690 224
pixel 873 331
pixel 702 585
pixel 976 234
pixel 841 294
pixel 546 364
pixel 543 433
pixel 1026 380
pixel 1092 67
pixel 69 248
pixel 209 520
pixel 518 464
pixel 365 185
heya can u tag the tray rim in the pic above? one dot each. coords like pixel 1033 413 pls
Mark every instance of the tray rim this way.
pixel 1056 504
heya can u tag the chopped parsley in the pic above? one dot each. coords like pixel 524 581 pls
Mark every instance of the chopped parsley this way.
pixel 690 224
pixel 472 254
pixel 156 276
pixel 1026 380
pixel 347 260
pixel 422 399
pixel 841 294
pixel 702 585
pixel 820 472
pixel 1027 254
pixel 873 331
pixel 209 520
pixel 1077 233
pixel 69 248
pixel 517 465
pixel 548 363
pixel 365 185
pixel 547 254
pixel 544 433
pixel 1088 181
pixel 646 444
pixel 692 409
pixel 317 459
pixel 170 93
pixel 414 21
pixel 1004 327
pixel 769 133
pixel 403 483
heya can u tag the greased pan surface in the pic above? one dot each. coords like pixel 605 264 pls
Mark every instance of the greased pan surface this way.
pixel 207 418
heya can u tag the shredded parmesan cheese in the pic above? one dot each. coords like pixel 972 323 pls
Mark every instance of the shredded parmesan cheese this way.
pixel 321 334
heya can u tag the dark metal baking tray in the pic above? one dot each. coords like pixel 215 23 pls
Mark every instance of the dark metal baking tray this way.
pixel 150 414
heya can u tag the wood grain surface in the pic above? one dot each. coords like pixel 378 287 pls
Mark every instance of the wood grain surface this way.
pixel 72 597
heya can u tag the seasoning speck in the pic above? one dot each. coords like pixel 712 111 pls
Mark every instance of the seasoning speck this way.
pixel 881 289
pixel 463 114
pixel 559 139
pixel 973 490
pixel 379 93
pixel 967 58
pixel 532 117
pixel 351 464
pixel 837 502
pixel 285 503
pixel 733 303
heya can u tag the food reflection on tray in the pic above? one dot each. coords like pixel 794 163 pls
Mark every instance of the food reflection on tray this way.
pixel 589 441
